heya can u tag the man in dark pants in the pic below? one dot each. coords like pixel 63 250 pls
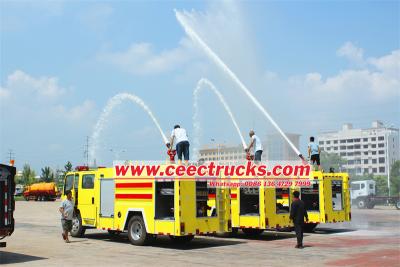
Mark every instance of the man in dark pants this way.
pixel 297 214
pixel 180 138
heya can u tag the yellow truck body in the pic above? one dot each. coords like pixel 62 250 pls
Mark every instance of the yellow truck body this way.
pixel 328 198
pixel 159 206
pixel 254 209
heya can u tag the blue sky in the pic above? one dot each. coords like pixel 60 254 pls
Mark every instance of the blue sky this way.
pixel 313 66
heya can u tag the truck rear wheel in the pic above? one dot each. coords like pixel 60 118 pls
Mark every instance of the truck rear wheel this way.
pixel 252 232
pixel 398 204
pixel 137 231
pixel 77 229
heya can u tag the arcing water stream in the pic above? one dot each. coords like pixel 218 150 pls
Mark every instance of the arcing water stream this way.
pixel 202 83
pixel 111 104
pixel 214 57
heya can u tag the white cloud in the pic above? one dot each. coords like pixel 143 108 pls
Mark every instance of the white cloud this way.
pixel 141 59
pixel 351 52
pixel 75 113
pixel 4 93
pixel 41 96
pixel 380 78
pixel 389 64
pixel 96 16
pixel 46 87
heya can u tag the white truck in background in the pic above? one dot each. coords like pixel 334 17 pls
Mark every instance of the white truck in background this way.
pixel 363 195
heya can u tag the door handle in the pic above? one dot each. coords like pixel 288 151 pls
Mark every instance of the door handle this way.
pixel 92 200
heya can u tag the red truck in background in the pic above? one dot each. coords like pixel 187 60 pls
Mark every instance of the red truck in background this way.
pixel 7 203
pixel 41 192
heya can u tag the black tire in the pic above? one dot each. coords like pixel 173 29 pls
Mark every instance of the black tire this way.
pixel 137 232
pixel 234 232
pixel 77 229
pixel 252 232
pixel 361 204
pixel 309 227
pixel 398 204
pixel 370 205
pixel 181 239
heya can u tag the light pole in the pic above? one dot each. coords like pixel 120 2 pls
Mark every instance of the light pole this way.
pixel 387 134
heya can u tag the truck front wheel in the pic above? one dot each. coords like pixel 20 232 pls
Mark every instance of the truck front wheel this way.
pixel 137 231
pixel 77 229
pixel 361 204
pixel 398 204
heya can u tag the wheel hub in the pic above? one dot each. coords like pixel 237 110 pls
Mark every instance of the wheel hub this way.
pixel 136 230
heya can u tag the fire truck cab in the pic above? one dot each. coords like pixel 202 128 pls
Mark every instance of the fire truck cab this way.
pixel 144 207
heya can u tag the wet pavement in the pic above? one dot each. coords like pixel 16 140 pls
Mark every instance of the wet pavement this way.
pixel 372 238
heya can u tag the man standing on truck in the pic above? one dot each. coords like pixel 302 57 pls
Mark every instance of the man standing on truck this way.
pixel 67 212
pixel 313 152
pixel 256 143
pixel 180 138
pixel 297 214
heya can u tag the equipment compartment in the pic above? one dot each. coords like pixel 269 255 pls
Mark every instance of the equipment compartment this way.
pixel 164 206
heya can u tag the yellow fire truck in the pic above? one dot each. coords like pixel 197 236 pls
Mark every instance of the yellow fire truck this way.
pixel 144 207
pixel 327 200
pixel 255 209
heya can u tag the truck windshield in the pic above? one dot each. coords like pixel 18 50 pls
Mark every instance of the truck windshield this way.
pixel 69 181
pixel 355 186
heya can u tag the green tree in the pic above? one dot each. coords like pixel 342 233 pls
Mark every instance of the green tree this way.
pixel 381 185
pixel 395 178
pixel 28 175
pixel 68 167
pixel 331 160
pixel 47 175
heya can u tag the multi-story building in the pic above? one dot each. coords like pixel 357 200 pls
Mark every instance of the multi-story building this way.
pixel 372 150
pixel 221 152
pixel 275 148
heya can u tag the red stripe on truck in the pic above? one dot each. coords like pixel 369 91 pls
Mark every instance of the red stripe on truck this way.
pixel 233 195
pixel 133 196
pixel 134 185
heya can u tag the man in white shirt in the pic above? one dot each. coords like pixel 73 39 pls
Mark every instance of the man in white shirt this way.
pixel 180 138
pixel 67 214
pixel 256 143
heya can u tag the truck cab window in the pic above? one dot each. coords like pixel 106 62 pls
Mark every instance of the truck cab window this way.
pixel 88 181
pixel 371 186
pixel 362 186
pixel 69 181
